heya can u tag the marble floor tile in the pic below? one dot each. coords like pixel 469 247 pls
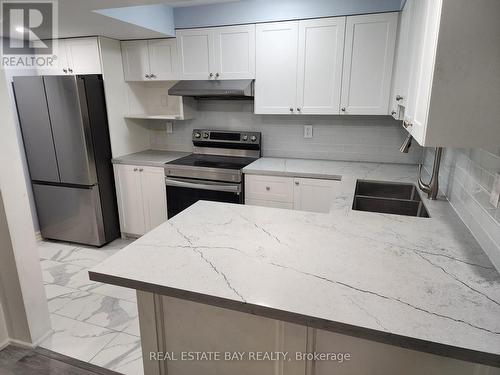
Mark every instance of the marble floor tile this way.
pixel 133 328
pixel 59 273
pixel 83 257
pixel 53 250
pixel 57 296
pixel 81 281
pixel 123 354
pixel 117 292
pixel 77 339
pixel 96 309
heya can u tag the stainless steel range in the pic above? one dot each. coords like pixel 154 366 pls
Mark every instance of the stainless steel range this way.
pixel 213 171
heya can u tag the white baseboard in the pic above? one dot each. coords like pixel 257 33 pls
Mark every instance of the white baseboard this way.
pixel 24 344
pixel 21 344
pixel 4 344
pixel 43 337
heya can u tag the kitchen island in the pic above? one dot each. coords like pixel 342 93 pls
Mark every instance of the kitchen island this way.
pixel 386 289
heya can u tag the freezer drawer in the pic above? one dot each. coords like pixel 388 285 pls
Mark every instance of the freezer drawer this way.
pixel 70 213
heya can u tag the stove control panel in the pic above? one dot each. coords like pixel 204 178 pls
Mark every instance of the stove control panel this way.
pixel 207 137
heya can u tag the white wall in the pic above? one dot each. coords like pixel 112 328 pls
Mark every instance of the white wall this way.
pixel 466 178
pixel 126 136
pixel 22 290
pixel 4 335
pixel 353 138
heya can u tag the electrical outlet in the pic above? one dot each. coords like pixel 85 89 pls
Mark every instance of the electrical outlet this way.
pixel 308 131
pixel 495 192
pixel 170 127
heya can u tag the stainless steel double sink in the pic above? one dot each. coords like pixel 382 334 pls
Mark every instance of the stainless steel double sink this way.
pixel 388 198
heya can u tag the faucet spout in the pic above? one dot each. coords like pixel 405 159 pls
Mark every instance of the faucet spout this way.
pixel 432 188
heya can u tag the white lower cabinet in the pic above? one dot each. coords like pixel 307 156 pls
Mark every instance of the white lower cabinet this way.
pixel 142 199
pixel 304 194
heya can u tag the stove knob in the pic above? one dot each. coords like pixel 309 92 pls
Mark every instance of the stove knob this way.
pixel 197 135
pixel 253 138
pixel 205 135
pixel 245 138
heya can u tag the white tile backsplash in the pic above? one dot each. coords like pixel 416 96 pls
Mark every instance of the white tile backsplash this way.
pixel 353 138
pixel 466 178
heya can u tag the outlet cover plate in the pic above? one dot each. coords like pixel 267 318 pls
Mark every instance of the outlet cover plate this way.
pixel 308 131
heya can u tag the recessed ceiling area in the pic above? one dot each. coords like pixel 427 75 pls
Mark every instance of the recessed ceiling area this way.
pixel 78 18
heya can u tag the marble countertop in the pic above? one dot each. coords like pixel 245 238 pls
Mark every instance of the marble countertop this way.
pixel 421 283
pixel 151 158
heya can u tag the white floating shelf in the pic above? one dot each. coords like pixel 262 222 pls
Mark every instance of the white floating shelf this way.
pixel 153 117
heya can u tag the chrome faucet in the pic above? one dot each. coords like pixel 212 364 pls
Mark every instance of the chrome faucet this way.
pixel 406 144
pixel 432 187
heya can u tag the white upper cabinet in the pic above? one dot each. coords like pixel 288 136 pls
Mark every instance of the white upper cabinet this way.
pixel 276 68
pixel 368 60
pixel 196 55
pixel 163 59
pixel 453 73
pixel 217 53
pixel 234 52
pixel 135 57
pixel 83 56
pixel 320 54
pixel 401 69
pixel 76 56
pixel 146 60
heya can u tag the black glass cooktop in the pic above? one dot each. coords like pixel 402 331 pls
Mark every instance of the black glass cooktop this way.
pixel 213 161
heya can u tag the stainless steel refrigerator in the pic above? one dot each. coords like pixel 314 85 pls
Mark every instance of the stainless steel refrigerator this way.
pixel 66 138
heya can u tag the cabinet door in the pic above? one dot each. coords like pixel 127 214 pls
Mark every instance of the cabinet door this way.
pixel 130 199
pixel 313 194
pixel 276 68
pixel 321 50
pixel 234 52
pixel 135 57
pixel 163 59
pixel 424 29
pixel 154 196
pixel 368 59
pixel 269 188
pixel 196 55
pixel 83 56
pixel 60 66
pixel 401 79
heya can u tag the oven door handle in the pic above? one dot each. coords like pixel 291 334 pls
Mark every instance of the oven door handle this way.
pixel 230 188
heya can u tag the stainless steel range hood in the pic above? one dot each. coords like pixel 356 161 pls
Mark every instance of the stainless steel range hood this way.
pixel 225 89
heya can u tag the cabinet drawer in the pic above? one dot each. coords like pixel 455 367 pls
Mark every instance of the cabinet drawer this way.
pixel 263 203
pixel 269 188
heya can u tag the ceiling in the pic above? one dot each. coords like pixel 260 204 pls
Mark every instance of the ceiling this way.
pixel 76 18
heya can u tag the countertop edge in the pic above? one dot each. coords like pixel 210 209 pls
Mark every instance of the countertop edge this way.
pixel 322 176
pixel 138 162
pixel 405 342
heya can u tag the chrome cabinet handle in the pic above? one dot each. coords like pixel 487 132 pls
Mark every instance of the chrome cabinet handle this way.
pixel 291 109
pixel 147 76
pixel 152 76
pixel 65 70
pixel 217 75
pixel 194 184
pixel 211 75
pixel 342 109
pixel 399 97
pixel 141 169
pixel 135 169
pixel 393 113
pixel 70 70
pixel 298 109
pixel 297 183
pixel 268 188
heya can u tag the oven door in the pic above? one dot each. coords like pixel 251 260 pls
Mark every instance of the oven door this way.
pixel 183 192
